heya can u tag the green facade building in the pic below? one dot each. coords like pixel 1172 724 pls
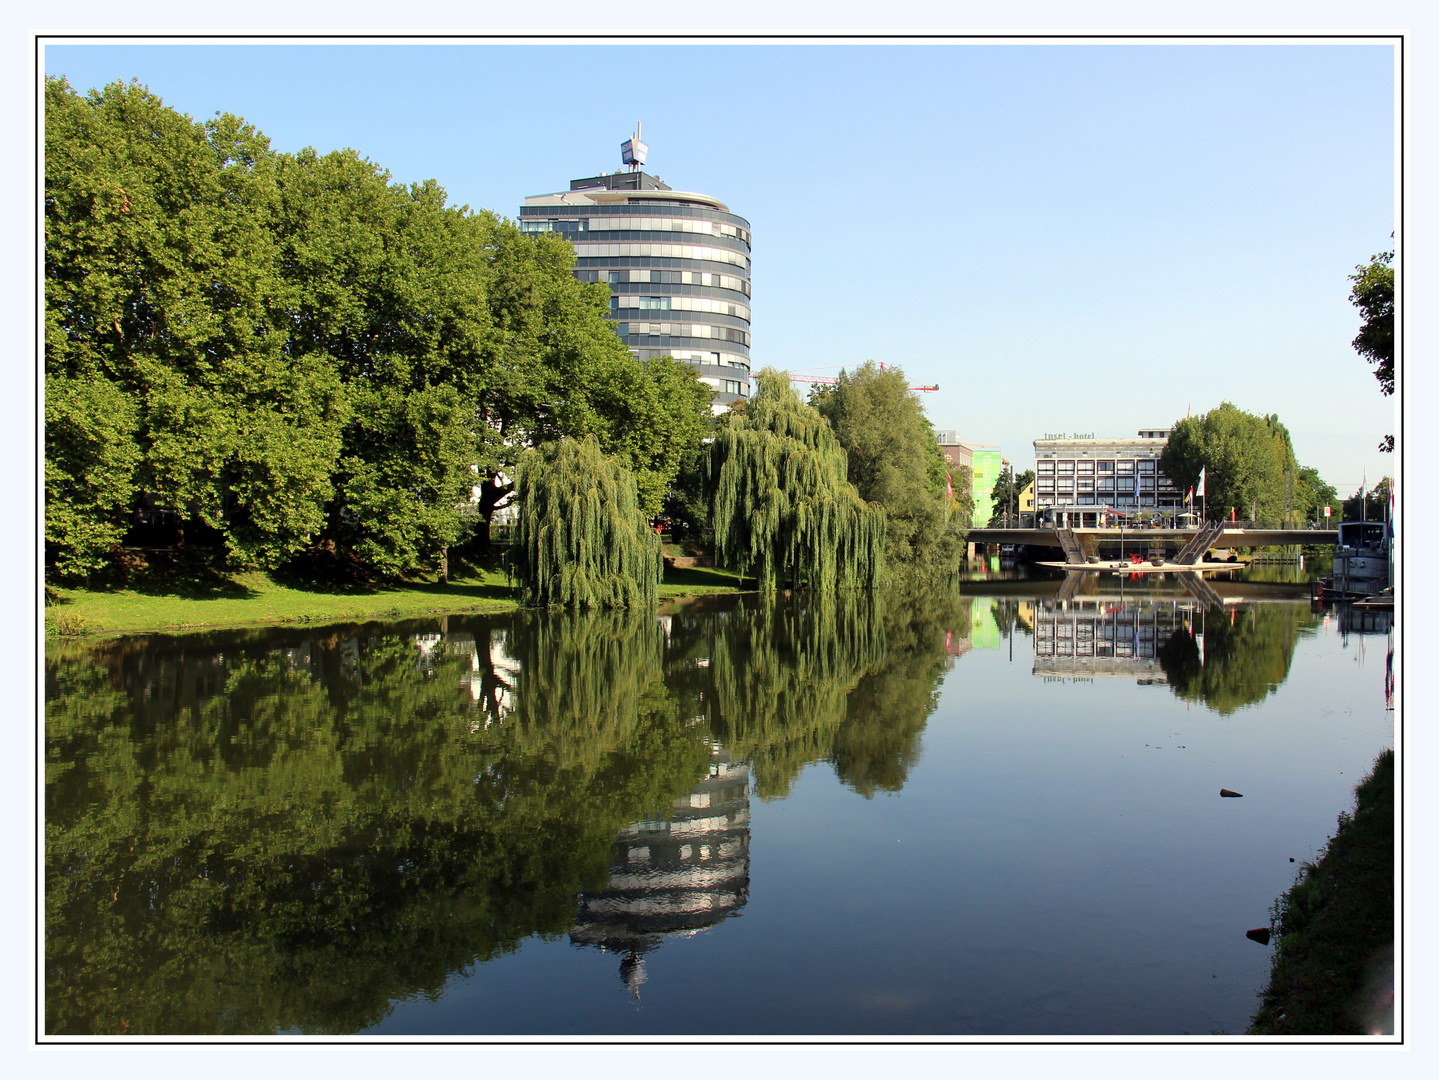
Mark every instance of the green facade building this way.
pixel 987 469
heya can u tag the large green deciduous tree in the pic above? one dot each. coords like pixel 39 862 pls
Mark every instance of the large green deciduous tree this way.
pixel 782 506
pixel 1312 493
pixel 1373 295
pixel 895 463
pixel 581 540
pixel 560 371
pixel 90 462
pixel 297 349
pixel 1245 459
pixel 1368 504
pixel 162 278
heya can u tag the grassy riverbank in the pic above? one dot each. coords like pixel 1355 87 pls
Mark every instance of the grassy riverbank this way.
pixel 1333 970
pixel 194 594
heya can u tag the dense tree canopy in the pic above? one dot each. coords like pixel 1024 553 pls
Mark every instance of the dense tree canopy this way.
pixel 782 507
pixel 285 349
pixel 1312 493
pixel 1247 460
pixel 1367 504
pixel 895 463
pixel 1373 295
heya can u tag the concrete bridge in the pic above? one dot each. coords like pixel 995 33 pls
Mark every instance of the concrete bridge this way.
pixel 1229 538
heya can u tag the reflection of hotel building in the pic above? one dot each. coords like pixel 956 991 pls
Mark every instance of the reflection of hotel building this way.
pixel 677 264
pixel 673 876
pixel 1103 638
pixel 1079 477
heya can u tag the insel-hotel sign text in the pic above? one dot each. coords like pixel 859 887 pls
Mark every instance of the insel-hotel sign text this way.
pixel 1072 435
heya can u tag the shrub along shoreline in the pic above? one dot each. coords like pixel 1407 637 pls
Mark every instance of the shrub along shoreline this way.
pixel 1333 966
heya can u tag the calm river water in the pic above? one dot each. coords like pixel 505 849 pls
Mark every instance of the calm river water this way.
pixel 993 812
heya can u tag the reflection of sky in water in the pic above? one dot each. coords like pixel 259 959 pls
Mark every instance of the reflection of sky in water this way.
pixel 1058 860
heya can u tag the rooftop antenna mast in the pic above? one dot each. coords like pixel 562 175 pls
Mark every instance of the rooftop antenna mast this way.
pixel 633 152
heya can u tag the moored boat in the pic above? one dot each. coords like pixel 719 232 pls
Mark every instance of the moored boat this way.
pixel 1361 558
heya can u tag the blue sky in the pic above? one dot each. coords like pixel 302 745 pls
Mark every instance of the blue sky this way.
pixel 1064 235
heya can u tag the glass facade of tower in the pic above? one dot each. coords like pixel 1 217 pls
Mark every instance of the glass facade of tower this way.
pixel 677 264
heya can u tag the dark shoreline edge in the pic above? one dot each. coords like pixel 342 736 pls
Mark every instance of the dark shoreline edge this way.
pixel 1333 964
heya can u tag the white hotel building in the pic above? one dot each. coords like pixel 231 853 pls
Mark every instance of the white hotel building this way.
pixel 1084 482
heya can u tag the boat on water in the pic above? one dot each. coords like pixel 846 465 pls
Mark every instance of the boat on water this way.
pixel 1362 559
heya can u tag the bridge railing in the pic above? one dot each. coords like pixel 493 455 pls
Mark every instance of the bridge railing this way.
pixel 1243 524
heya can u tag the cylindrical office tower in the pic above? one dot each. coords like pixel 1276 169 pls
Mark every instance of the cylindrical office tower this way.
pixel 677 264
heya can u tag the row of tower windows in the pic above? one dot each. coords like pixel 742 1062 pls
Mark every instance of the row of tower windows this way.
pixel 672 251
pixel 689 330
pixel 679 303
pixel 637 224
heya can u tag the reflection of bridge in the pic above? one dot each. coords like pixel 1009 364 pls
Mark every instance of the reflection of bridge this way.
pixel 1227 537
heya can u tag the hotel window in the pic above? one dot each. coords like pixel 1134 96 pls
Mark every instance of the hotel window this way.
pixel 1066 466
pixel 1105 466
pixel 1147 466
pixel 1126 467
pixel 731 387
pixel 1086 467
pixel 1043 467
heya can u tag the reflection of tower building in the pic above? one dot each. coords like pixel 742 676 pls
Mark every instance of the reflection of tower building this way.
pixel 675 877
pixel 1089 638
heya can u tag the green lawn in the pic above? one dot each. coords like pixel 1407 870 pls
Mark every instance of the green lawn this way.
pixel 206 600
pixel 251 598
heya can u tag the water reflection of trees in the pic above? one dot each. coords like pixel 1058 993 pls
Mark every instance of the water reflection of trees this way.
pixel 267 831
pixel 1246 654
pixel 287 853
pixel 849 681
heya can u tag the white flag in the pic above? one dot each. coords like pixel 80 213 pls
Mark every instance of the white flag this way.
pixel 1200 489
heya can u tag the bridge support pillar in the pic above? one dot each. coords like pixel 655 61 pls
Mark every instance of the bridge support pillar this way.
pixel 969 552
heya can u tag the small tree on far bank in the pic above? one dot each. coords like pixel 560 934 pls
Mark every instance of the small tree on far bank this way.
pixel 782 506
pixel 1008 489
pixel 581 540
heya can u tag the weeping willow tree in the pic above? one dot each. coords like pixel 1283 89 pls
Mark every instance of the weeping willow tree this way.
pixel 783 508
pixel 581 540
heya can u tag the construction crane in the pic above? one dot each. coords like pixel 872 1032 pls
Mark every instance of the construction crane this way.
pixel 830 380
